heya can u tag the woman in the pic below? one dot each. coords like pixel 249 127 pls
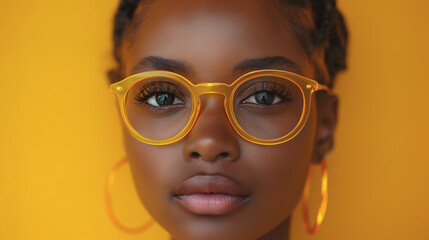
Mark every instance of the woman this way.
pixel 221 116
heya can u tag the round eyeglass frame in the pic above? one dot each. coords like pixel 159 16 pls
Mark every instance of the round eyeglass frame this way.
pixel 306 85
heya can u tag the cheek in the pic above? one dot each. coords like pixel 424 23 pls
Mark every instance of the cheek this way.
pixel 151 167
pixel 279 172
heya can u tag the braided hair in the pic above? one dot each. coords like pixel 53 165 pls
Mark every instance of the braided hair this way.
pixel 329 35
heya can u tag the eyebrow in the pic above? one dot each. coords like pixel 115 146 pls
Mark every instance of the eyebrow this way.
pixel 186 69
pixel 277 62
pixel 165 64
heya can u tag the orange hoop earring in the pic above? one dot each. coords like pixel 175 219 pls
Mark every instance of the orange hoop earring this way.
pixel 323 204
pixel 108 190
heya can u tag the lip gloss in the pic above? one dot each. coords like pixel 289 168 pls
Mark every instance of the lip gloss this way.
pixel 211 194
pixel 210 203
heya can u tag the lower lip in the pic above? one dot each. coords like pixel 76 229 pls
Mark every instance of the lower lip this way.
pixel 210 204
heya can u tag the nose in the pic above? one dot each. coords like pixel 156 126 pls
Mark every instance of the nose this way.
pixel 212 138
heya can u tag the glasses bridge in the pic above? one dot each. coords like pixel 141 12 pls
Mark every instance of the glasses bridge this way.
pixel 218 88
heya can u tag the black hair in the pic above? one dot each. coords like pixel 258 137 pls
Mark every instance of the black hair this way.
pixel 328 34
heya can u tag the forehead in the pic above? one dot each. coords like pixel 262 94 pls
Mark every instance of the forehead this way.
pixel 212 36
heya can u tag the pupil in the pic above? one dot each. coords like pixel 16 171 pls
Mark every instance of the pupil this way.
pixel 265 98
pixel 164 99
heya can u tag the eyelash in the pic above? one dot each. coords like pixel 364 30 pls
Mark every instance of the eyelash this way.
pixel 270 87
pixel 149 90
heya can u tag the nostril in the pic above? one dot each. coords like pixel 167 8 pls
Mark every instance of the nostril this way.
pixel 224 154
pixel 195 155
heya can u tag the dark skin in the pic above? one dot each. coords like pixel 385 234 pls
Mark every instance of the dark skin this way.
pixel 212 37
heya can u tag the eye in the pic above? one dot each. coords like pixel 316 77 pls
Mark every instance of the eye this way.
pixel 163 99
pixel 159 95
pixel 263 98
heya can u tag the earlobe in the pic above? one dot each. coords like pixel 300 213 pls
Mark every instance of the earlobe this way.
pixel 327 105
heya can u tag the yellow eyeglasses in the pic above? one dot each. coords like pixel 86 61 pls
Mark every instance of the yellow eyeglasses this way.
pixel 266 107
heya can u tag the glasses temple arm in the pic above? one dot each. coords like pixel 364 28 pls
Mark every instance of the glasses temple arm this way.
pixel 322 87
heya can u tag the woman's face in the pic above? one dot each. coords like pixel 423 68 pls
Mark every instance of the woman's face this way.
pixel 205 41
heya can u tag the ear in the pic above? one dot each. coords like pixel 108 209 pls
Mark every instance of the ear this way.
pixel 327 105
pixel 113 75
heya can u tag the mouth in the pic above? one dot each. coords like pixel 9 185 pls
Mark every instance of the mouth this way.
pixel 210 195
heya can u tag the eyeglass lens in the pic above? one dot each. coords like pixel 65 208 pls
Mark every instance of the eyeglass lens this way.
pixel 266 107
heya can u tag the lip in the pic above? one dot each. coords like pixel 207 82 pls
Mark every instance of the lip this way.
pixel 211 194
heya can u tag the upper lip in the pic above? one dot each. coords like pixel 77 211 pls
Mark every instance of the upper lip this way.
pixel 211 183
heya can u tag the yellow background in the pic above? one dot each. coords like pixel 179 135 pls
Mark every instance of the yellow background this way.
pixel 60 132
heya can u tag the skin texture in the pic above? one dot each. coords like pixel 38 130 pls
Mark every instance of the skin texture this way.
pixel 212 37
